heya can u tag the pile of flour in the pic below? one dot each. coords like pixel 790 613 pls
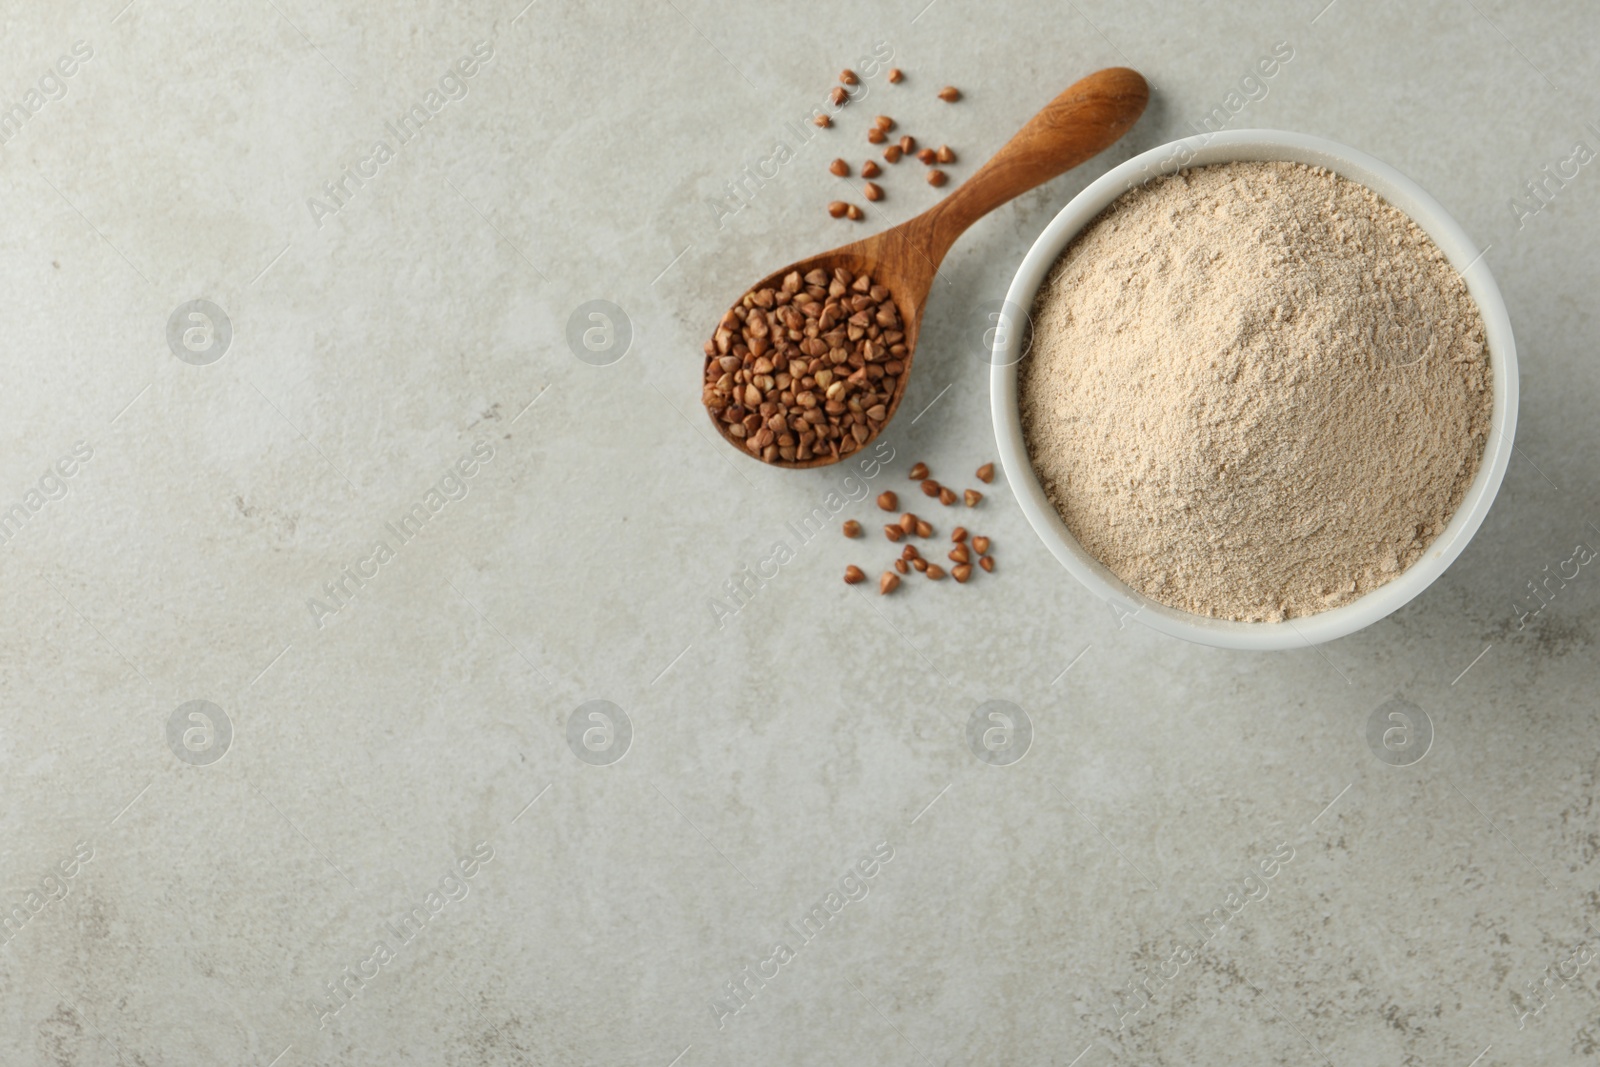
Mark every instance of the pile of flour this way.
pixel 1255 391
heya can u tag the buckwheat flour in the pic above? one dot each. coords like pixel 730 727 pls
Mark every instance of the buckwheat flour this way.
pixel 1255 390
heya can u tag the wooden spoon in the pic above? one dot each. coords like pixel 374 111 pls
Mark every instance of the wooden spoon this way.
pixel 1080 123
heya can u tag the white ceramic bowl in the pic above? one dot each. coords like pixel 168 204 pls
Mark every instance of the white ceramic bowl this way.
pixel 1224 147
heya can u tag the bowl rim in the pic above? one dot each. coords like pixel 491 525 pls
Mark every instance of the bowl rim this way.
pixel 1238 146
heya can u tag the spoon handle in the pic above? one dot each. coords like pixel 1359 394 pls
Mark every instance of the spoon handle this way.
pixel 1088 117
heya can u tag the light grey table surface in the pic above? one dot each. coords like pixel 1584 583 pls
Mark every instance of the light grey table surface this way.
pixel 211 883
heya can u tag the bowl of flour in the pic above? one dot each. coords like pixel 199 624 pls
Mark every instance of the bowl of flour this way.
pixel 1256 389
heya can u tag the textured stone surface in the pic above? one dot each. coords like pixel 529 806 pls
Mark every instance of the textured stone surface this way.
pixel 771 750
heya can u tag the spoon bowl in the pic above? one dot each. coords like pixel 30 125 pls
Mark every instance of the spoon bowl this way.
pixel 1084 120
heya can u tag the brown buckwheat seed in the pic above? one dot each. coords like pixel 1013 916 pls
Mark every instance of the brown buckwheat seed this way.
pixel 959 534
pixel 934 571
pixel 872 191
pixel 876 136
pixel 892 154
pixel 839 168
pixel 987 563
pixel 930 487
pixel 926 156
pixel 852 213
pixel 959 554
pixel 893 532
pixel 947 496
pixel 908 144
pixel 888 583
pixel 853 574
pixel 837 208
pixel 888 501
pixel 971 496
pixel 924 529
pixel 986 473
pixel 981 544
pixel 919 471
pixel 848 77
pixel 838 96
pixel 895 75
pixel 884 123
pixel 949 94
pixel 961 572
pixel 945 154
pixel 852 528
pixel 937 178
pixel 869 169
pixel 902 566
pixel 908 523
pixel 823 121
